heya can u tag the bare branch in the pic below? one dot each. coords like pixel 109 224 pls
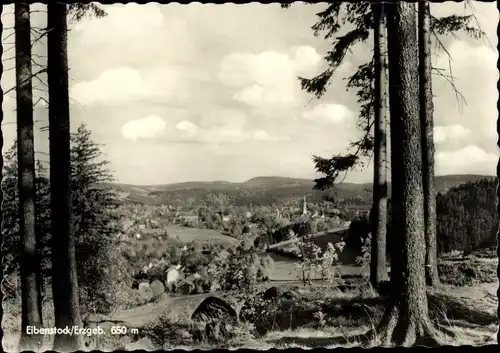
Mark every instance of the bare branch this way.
pixel 450 80
pixel 8 36
pixel 8 49
pixel 41 99
pixel 40 80
pixel 9 69
pixel 25 80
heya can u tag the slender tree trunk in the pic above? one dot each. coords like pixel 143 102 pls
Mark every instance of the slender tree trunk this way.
pixel 31 313
pixel 427 121
pixel 406 320
pixel 378 264
pixel 1 169
pixel 64 275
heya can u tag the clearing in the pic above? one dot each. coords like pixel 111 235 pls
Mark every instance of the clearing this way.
pixel 187 235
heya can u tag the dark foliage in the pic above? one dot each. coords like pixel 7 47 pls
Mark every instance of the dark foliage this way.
pixel 93 219
pixel 466 217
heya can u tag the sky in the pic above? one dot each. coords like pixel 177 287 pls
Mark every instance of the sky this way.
pixel 210 92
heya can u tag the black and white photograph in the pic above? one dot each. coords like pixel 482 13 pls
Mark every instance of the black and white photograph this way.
pixel 223 176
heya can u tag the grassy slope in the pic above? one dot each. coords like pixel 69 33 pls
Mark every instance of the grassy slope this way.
pixel 187 235
pixel 476 300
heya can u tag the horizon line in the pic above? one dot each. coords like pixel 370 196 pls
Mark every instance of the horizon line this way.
pixel 276 176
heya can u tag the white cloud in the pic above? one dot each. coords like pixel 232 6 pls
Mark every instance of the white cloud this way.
pixel 449 133
pixel 306 58
pixel 263 135
pixel 269 77
pixel 187 126
pixel 229 133
pixel 475 71
pixel 328 114
pixel 148 127
pixel 125 85
pixel 258 95
pixel 468 160
pixel 111 87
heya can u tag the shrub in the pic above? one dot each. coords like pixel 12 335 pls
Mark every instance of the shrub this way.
pixel 467 273
pixel 364 259
pixel 166 333
pixel 239 268
pixel 314 260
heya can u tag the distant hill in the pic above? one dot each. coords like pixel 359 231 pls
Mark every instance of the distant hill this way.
pixel 263 190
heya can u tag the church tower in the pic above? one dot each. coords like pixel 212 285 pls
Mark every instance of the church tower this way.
pixel 304 206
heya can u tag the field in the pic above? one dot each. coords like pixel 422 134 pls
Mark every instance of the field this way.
pixel 187 235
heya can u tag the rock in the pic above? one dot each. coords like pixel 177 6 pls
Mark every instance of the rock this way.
pixel 198 330
pixel 216 313
pixel 144 286
pixel 157 287
pixel 145 291
pixel 272 293
pixel 213 308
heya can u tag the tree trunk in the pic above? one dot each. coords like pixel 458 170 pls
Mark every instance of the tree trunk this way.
pixel 1 167
pixel 378 265
pixel 406 320
pixel 31 313
pixel 64 276
pixel 427 121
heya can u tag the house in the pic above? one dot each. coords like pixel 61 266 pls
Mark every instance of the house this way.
pixel 126 224
pixel 173 274
pixel 226 218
